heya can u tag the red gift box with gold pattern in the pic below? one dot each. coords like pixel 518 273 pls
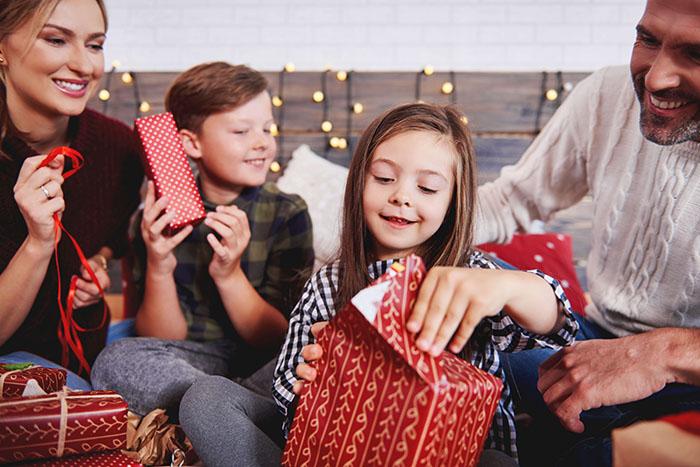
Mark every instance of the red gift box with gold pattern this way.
pixel 167 166
pixel 379 400
pixel 100 459
pixel 61 424
pixel 13 380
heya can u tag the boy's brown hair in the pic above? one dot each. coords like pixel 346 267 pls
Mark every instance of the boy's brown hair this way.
pixel 211 88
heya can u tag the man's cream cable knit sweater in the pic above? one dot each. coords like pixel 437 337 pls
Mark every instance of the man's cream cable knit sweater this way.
pixel 644 265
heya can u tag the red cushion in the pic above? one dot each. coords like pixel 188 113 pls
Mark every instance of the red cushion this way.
pixel 551 253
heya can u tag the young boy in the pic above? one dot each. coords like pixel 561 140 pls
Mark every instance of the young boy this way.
pixel 216 297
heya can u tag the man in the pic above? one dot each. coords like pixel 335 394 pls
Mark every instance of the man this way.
pixel 640 160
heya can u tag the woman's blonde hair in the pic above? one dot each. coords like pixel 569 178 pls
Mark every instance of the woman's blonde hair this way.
pixel 14 14
pixel 451 245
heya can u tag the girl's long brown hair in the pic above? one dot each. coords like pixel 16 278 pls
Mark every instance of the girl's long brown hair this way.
pixel 13 15
pixel 451 245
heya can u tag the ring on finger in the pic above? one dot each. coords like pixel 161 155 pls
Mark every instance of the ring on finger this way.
pixel 45 191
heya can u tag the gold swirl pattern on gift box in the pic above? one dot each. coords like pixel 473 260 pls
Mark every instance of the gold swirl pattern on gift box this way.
pixel 30 427
pixel 378 400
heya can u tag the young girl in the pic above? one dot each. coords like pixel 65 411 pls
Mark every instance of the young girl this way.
pixel 51 62
pixel 412 189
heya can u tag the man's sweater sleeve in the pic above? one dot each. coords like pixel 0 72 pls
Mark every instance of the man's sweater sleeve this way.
pixel 550 176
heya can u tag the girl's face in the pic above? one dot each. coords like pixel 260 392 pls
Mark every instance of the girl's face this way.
pixel 55 73
pixel 408 189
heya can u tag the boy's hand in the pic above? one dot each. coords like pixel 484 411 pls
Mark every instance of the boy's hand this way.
pixel 310 353
pixel 86 292
pixel 232 225
pixel 452 302
pixel 159 247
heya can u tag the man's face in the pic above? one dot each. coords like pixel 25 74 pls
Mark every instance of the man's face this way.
pixel 665 68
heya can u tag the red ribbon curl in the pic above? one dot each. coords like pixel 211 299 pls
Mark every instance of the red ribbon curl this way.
pixel 68 328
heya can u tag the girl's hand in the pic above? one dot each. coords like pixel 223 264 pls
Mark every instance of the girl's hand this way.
pixel 39 195
pixel 232 225
pixel 452 302
pixel 311 353
pixel 159 248
pixel 86 292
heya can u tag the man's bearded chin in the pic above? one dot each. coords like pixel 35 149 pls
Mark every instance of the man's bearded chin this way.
pixel 663 130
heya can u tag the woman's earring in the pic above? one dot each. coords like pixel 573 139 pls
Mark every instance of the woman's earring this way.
pixel 2 60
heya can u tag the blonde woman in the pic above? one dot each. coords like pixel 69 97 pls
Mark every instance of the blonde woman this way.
pixel 51 61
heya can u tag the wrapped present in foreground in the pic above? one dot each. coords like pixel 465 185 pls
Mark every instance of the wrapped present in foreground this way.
pixel 167 166
pixel 61 424
pixel 15 377
pixel 671 440
pixel 98 459
pixel 379 400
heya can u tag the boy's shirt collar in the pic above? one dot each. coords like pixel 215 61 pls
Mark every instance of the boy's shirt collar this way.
pixel 243 200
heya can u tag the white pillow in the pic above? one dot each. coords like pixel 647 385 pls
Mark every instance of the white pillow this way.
pixel 322 185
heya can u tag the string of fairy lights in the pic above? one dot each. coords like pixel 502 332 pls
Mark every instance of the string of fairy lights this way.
pixel 334 138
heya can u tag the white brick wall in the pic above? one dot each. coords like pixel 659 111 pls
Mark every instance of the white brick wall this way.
pixel 465 35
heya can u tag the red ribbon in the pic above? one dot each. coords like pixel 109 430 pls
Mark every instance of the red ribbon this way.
pixel 68 329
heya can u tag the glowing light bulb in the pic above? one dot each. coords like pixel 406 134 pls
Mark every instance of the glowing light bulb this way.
pixel 465 120
pixel 145 107
pixel 342 143
pixel 334 142
pixel 428 70
pixel 447 87
pixel 326 126
pixel 358 108
pixel 127 78
pixel 116 63
pixel 103 95
pixel 341 75
pixel 274 130
pixel 290 68
pixel 551 95
pixel 275 167
pixel 318 96
pixel 277 101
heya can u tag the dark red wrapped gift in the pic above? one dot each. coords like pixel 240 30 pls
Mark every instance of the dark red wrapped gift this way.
pixel 99 459
pixel 379 400
pixel 167 166
pixel 14 378
pixel 61 424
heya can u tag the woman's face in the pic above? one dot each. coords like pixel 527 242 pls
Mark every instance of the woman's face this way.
pixel 55 73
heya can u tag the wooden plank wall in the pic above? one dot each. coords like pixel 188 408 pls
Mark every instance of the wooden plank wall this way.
pixel 505 111
pixel 506 106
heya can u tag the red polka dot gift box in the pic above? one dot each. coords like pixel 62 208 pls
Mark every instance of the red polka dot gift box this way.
pixel 99 459
pixel 379 400
pixel 551 253
pixel 167 165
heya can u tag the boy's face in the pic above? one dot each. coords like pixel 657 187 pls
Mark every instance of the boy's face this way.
pixel 235 148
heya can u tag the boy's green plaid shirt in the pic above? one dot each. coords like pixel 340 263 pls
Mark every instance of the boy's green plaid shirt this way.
pixel 277 261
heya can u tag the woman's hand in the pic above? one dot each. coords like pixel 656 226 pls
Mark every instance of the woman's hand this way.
pixel 311 353
pixel 232 225
pixel 159 248
pixel 452 302
pixel 39 196
pixel 86 291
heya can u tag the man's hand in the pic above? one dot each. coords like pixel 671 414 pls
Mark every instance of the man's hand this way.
pixel 602 372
